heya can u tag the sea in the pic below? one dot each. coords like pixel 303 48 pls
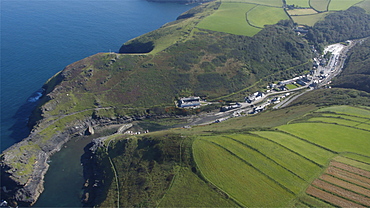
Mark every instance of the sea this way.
pixel 40 38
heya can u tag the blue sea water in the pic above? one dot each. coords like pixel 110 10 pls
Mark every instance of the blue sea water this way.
pixel 41 37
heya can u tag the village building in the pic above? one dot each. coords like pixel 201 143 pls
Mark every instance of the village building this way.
pixel 189 102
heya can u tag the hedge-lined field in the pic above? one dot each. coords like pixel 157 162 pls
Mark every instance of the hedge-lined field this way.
pixel 342 4
pixel 254 167
pixel 230 18
pixel 319 5
pixel 275 3
pixel 298 3
pixel 260 16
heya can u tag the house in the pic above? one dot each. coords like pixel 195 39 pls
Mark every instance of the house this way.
pixel 189 102
pixel 254 97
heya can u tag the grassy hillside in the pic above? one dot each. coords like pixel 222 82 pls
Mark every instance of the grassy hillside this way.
pixel 233 164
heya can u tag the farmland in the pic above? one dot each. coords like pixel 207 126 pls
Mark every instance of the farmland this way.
pixel 263 15
pixel 292 157
pixel 248 17
pixel 298 3
pixel 342 4
pixel 230 18
pixel 297 12
pixel 309 20
pixel 274 3
pixel 320 5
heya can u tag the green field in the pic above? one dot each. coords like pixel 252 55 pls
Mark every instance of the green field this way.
pixel 260 16
pixel 309 20
pixel 335 121
pixel 298 3
pixel 335 137
pixel 336 5
pixel 349 110
pixel 275 3
pixel 291 86
pixel 352 118
pixel 238 179
pixel 230 18
pixel 319 5
pixel 353 162
pixel 185 194
pixel 365 5
pixel 291 156
pixel 301 12
pixel 307 150
pixel 275 168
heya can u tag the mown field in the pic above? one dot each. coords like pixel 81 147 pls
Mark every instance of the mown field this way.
pixel 298 3
pixel 230 18
pixel 319 5
pixel 297 12
pixel 342 4
pixel 254 167
pixel 260 16
pixel 310 15
pixel 306 158
pixel 275 3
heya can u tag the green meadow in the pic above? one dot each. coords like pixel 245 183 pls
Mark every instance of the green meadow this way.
pixel 334 137
pixel 260 16
pixel 336 5
pixel 237 178
pixel 298 12
pixel 284 160
pixel 275 3
pixel 348 110
pixel 307 150
pixel 298 3
pixel 365 5
pixel 309 20
pixel 230 18
pixel 320 5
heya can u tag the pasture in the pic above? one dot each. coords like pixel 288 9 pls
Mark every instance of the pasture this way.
pixel 260 16
pixel 334 137
pixel 266 165
pixel 274 166
pixel 365 5
pixel 309 20
pixel 349 110
pixel 185 194
pixel 336 5
pixel 298 12
pixel 298 3
pixel 239 180
pixel 320 5
pixel 275 3
pixel 303 148
pixel 230 18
